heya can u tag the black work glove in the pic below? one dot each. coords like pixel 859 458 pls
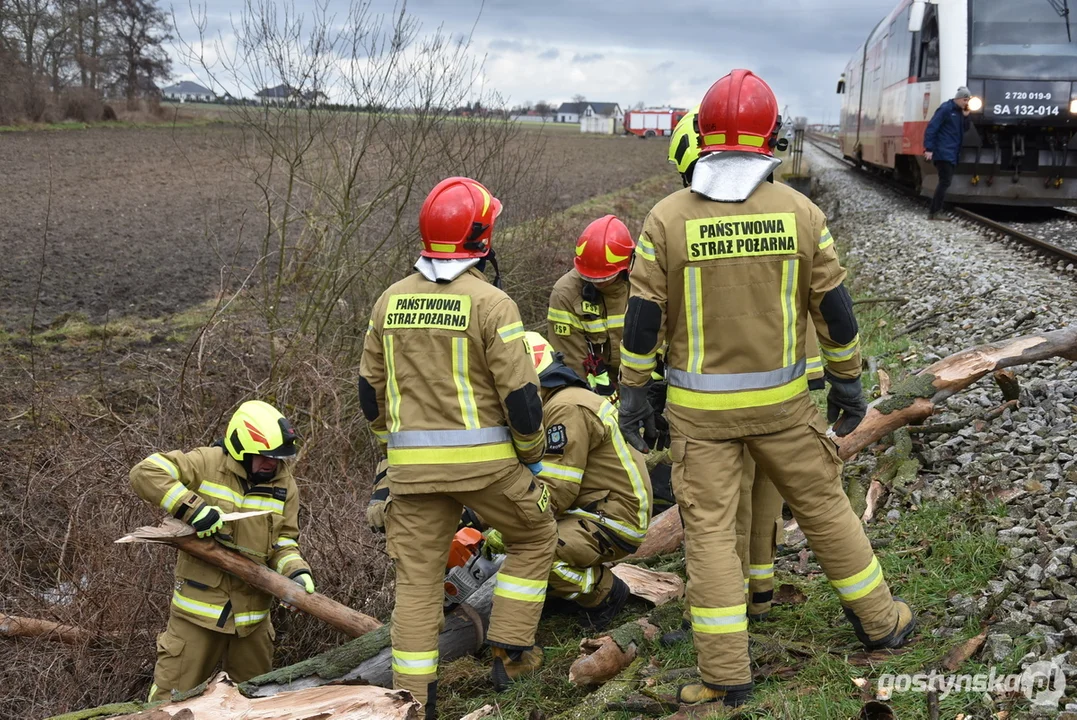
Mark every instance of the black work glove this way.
pixel 845 406
pixel 206 520
pixel 661 425
pixel 635 414
pixel 656 395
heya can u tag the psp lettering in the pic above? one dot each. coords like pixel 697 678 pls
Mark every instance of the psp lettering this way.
pixel 742 236
pixel 444 312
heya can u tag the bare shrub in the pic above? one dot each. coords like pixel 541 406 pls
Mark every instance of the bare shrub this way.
pixel 82 105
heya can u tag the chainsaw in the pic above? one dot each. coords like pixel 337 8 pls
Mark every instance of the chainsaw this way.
pixel 471 563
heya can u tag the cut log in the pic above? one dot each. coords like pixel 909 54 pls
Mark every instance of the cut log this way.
pixel 181 535
pixel 651 585
pixel 664 535
pixel 604 657
pixel 595 704
pixel 369 659
pixel 15 626
pixel 222 700
pixel 915 399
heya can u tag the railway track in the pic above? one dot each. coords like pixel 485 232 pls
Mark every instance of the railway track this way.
pixel 830 146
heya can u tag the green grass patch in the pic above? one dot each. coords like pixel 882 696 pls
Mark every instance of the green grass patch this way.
pixel 113 125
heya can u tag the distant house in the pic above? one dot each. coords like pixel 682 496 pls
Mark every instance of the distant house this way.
pixel 287 95
pixel 187 92
pixel 573 112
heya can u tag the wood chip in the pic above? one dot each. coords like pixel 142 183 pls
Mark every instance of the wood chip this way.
pixel 884 383
pixel 958 654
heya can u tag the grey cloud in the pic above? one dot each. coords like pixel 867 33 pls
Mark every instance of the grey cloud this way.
pixel 551 54
pixel 587 58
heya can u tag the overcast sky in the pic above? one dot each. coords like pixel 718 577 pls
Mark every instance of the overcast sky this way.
pixel 655 51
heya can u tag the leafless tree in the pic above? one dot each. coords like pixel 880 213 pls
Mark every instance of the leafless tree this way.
pixel 138 30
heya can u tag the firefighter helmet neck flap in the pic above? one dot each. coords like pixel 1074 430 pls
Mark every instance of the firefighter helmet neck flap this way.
pixel 258 428
pixel 604 250
pixel 552 371
pixel 456 224
pixel 738 124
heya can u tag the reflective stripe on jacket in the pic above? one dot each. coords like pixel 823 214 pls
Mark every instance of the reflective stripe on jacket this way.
pixel 575 325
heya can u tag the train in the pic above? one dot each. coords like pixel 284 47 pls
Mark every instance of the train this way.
pixel 1019 60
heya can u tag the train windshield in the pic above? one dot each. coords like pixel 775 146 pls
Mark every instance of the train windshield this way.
pixel 1021 39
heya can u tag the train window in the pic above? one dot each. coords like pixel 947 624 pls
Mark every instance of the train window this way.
pixel 929 47
pixel 1022 40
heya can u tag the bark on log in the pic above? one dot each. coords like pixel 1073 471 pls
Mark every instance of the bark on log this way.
pixel 15 626
pixel 916 399
pixel 663 536
pixel 656 587
pixel 369 659
pixel 596 704
pixel 181 535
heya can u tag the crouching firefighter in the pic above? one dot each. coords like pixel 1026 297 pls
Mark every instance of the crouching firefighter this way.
pixel 587 305
pixel 737 371
pixel 447 383
pixel 215 617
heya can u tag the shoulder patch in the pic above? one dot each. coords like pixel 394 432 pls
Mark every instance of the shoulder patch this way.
pixel 556 439
pixel 562 329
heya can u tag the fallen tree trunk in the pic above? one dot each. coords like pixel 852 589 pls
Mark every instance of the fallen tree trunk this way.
pixel 369 659
pixel 604 657
pixel 656 587
pixel 916 399
pixel 15 626
pixel 597 703
pixel 663 536
pixel 179 534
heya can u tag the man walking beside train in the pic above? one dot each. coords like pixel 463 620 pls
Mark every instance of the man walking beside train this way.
pixel 942 143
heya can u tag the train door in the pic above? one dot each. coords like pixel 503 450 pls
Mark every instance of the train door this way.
pixel 923 98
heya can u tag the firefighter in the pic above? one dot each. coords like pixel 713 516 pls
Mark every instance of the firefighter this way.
pixel 215 617
pixel 447 383
pixel 587 306
pixel 760 526
pixel 730 271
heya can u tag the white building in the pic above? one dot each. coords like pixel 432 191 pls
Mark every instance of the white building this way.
pixel 573 112
pixel 187 91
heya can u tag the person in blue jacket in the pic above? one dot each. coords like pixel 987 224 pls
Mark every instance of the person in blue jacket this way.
pixel 942 143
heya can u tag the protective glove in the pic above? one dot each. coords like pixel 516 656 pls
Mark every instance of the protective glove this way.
pixel 661 425
pixel 207 520
pixel 535 467
pixel 494 542
pixel 304 578
pixel 637 413
pixel 845 406
pixel 470 518
pixel 598 375
pixel 375 515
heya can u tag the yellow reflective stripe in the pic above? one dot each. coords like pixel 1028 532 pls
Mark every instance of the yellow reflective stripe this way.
pixel 289 555
pixel 247 502
pixel 635 361
pixel 369 326
pixel 173 496
pixel 451 455
pixel 165 464
pixel 283 542
pixel 842 352
pixel 825 239
pixel 568 473
pixel 693 308
pixel 465 394
pixel 745 585
pixel 513 331
pixel 415 663
pixel 520 589
pixel 761 572
pixel 714 139
pixel 196 607
pixel 736 400
pixel 583 578
pixel 381 435
pixel 720 621
pixel 645 248
pixel 750 140
pixel 443 247
pixel 631 534
pixel 614 322
pixel 251 618
pixel 608 415
pixel 859 585
pixel 392 391
pixel 815 363
pixel 525 445
pixel 153 691
pixel 595 326
pixel 789 311
pixel 563 316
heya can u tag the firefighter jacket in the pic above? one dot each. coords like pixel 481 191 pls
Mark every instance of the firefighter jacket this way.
pixel 448 385
pixel 180 482
pixel 736 285
pixel 591 471
pixel 578 326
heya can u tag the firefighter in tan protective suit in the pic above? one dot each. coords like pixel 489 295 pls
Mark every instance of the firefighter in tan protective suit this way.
pixel 447 383
pixel 736 267
pixel 215 617
pixel 586 316
pixel 760 527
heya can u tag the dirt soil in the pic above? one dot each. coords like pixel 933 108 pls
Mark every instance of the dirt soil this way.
pixel 145 221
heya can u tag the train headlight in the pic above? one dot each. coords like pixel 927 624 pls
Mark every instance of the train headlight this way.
pixel 1073 107
pixel 976 104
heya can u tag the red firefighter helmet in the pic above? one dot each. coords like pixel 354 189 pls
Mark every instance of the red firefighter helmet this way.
pixel 457 219
pixel 604 249
pixel 739 112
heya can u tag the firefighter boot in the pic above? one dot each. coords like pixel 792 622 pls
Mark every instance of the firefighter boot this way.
pixel 701 693
pixel 897 637
pixel 601 615
pixel 510 664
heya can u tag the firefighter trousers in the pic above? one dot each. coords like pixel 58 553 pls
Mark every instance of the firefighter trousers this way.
pixel 578 574
pixel 419 529
pixel 803 464
pixel 759 532
pixel 188 654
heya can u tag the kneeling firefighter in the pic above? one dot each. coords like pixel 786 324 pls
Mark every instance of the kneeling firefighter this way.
pixel 737 372
pixel 447 383
pixel 760 527
pixel 215 617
